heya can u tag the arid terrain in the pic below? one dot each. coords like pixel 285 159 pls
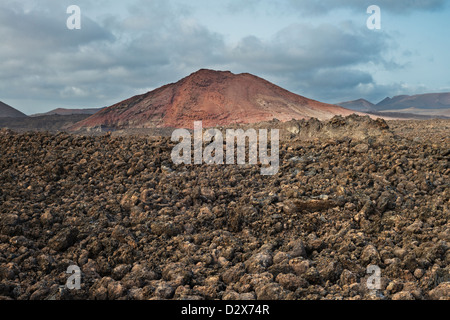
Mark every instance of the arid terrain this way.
pixel 50 123
pixel 350 192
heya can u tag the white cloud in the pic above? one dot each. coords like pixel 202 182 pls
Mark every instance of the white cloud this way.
pixel 151 43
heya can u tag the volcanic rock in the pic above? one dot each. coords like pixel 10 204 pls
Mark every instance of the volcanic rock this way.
pixel 226 231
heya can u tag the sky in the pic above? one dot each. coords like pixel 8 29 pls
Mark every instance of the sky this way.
pixel 322 50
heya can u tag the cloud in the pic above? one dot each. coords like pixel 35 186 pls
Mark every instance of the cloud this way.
pixel 320 61
pixel 146 44
pixel 321 7
pixel 42 30
pixel 42 60
pixel 39 54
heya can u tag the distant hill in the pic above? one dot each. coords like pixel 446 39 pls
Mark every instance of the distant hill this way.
pixel 52 123
pixel 214 97
pixel 68 112
pixel 7 111
pixel 358 105
pixel 419 106
pixel 420 101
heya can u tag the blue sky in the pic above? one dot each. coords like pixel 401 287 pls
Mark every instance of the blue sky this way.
pixel 319 49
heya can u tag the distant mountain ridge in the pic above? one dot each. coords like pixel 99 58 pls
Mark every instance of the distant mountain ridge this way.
pixel 358 105
pixel 420 101
pixel 7 111
pixel 429 104
pixel 68 112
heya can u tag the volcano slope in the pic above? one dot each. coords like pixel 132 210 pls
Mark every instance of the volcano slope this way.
pixel 7 111
pixel 214 97
pixel 140 227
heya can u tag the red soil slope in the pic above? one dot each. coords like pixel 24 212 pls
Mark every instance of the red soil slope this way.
pixel 214 97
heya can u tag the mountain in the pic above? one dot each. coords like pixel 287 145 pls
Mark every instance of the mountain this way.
pixel 440 113
pixel 9 112
pixel 68 112
pixel 420 101
pixel 51 123
pixel 358 105
pixel 421 106
pixel 214 97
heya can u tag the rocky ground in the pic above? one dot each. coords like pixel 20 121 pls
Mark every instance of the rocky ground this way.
pixel 140 227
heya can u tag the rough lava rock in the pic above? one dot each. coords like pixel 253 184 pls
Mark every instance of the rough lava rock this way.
pixel 110 205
